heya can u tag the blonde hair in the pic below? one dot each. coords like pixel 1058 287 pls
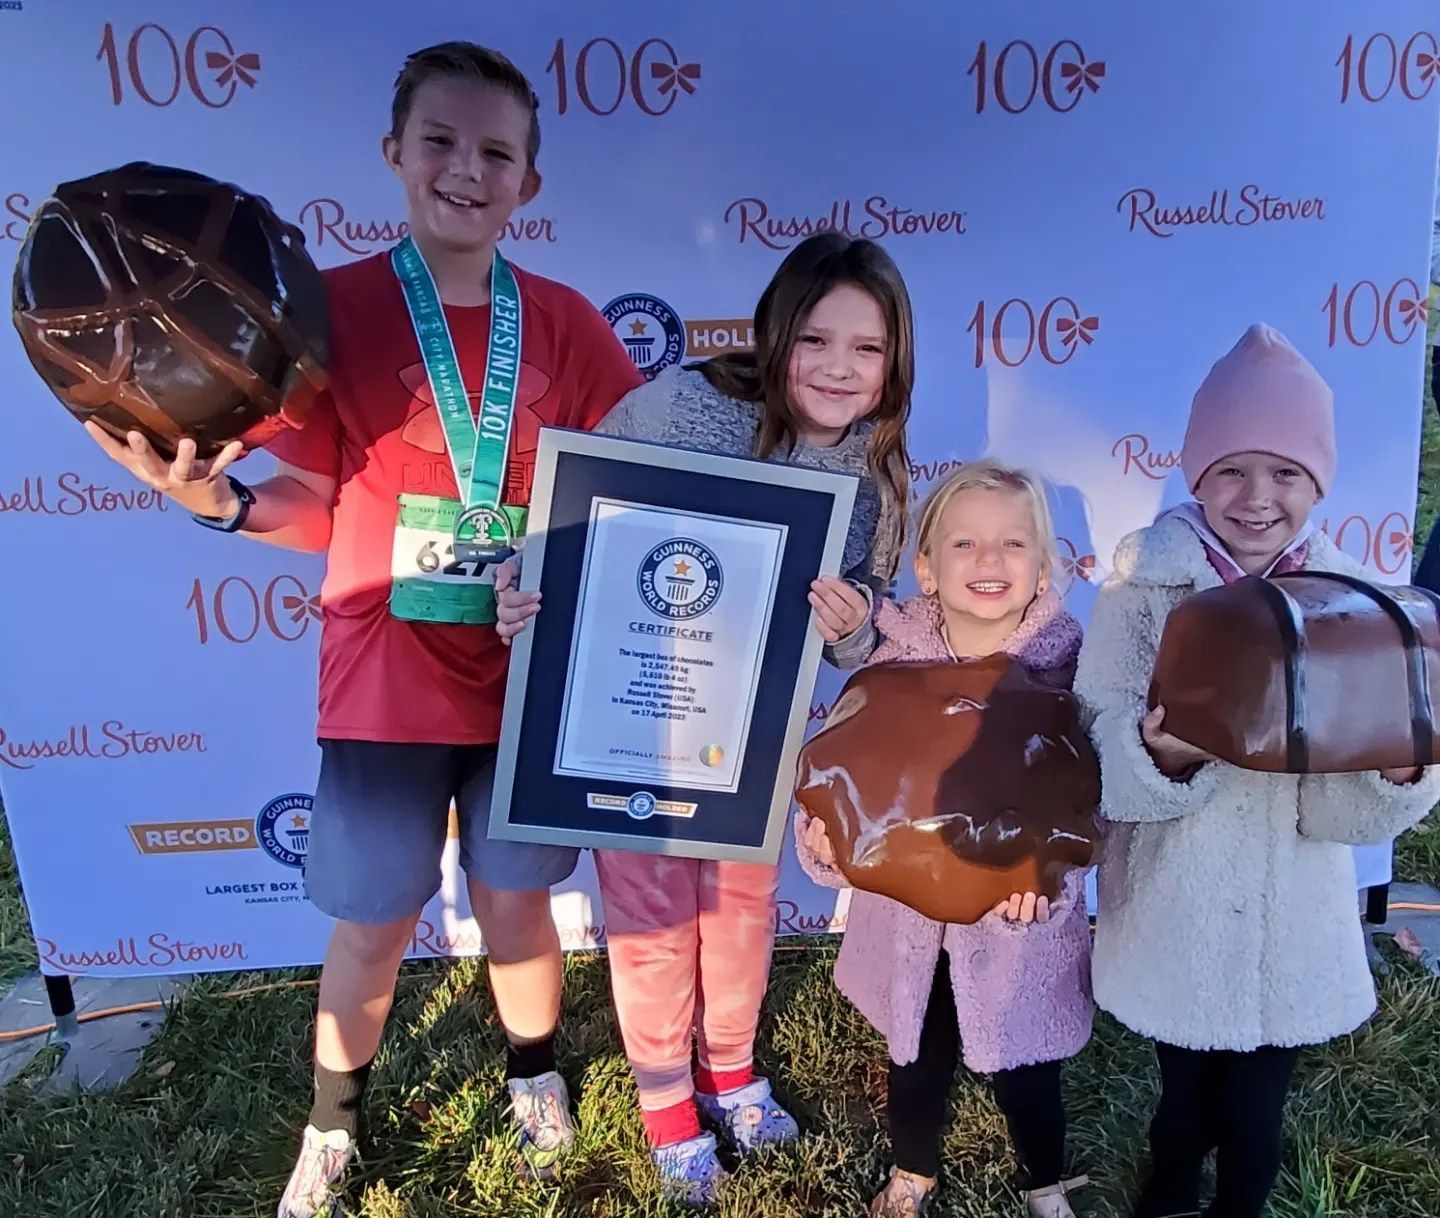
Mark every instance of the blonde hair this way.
pixel 990 475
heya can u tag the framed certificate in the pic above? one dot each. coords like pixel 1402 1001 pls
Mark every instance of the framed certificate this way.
pixel 658 700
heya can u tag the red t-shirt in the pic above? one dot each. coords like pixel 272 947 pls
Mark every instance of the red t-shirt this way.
pixel 377 432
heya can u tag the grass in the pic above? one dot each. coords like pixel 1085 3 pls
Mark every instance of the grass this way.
pixel 207 1127
pixel 17 948
pixel 1417 853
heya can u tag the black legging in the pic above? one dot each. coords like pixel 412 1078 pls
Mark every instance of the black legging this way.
pixel 1427 575
pixel 1435 373
pixel 1029 1096
pixel 1225 1101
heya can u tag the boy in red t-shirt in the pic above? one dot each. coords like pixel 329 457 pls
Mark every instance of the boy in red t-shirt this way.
pixel 412 675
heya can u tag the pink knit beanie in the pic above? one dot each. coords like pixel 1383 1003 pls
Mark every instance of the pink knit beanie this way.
pixel 1263 396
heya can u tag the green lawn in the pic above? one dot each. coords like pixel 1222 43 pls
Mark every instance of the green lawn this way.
pixel 1417 854
pixel 17 949
pixel 207 1127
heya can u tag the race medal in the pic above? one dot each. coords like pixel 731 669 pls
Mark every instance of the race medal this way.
pixel 445 550
pixel 430 579
pixel 485 535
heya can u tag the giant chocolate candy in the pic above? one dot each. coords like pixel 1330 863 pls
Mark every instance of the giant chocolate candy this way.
pixel 950 786
pixel 161 301
pixel 1306 673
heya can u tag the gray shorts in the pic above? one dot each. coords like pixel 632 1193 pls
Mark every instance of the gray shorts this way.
pixel 378 828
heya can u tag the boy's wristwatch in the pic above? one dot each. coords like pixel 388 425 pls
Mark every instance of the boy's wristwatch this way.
pixel 233 522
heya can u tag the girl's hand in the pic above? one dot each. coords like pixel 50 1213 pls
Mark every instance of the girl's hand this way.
pixel 513 608
pixel 817 841
pixel 1173 756
pixel 1024 908
pixel 840 608
pixel 197 486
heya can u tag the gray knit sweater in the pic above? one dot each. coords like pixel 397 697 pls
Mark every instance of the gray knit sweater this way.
pixel 682 409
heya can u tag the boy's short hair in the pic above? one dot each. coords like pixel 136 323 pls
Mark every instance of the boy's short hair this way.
pixel 471 61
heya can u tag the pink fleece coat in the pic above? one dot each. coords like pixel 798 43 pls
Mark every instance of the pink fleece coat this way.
pixel 1022 993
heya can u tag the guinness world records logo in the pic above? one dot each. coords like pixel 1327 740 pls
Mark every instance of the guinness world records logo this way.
pixel 649 329
pixel 283 829
pixel 641 806
pixel 680 580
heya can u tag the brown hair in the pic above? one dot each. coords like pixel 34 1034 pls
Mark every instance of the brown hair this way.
pixel 810 271
pixel 474 62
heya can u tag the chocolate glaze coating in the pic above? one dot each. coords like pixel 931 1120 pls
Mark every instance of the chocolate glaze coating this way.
pixel 1305 673
pixel 158 300
pixel 950 786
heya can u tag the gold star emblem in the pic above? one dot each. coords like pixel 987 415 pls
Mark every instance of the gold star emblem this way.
pixel 637 327
pixel 682 568
pixel 297 821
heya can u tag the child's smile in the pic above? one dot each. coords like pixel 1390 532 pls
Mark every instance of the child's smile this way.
pixel 1256 503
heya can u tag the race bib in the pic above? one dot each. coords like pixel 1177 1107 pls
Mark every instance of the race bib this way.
pixel 428 581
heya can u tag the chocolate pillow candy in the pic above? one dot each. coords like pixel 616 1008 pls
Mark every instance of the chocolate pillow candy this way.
pixel 1305 673
pixel 161 301
pixel 950 786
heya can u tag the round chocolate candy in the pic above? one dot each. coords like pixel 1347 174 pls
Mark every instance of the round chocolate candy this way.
pixel 158 300
pixel 948 786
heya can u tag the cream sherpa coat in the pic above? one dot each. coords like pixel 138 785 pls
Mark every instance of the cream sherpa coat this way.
pixel 1227 904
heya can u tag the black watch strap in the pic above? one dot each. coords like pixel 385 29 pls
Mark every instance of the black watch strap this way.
pixel 230 524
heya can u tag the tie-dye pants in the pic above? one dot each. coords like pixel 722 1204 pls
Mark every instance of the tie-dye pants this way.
pixel 689 944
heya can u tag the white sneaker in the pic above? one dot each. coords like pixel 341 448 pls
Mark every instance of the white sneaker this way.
pixel 540 1107
pixel 905 1195
pixel 314 1187
pixel 1051 1202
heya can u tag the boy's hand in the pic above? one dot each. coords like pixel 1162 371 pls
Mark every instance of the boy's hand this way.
pixel 1025 907
pixel 840 607
pixel 817 841
pixel 513 608
pixel 1173 757
pixel 195 485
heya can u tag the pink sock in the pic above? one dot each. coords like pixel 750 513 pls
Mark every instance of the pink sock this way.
pixel 713 1082
pixel 667 1126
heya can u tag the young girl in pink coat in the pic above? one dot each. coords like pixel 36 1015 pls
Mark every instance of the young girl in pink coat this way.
pixel 1014 988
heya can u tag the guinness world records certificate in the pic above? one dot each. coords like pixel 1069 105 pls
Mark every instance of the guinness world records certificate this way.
pixel 658 700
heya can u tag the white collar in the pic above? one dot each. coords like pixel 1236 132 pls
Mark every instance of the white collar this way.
pixel 1194 516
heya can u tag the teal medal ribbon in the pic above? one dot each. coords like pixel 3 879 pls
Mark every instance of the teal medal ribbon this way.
pixel 478 450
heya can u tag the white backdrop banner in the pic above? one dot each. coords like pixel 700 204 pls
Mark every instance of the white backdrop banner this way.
pixel 1089 204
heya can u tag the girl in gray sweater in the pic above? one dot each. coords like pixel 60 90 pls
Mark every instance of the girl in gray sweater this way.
pixel 827 386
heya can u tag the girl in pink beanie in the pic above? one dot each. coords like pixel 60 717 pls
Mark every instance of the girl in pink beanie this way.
pixel 1259 453
pixel 1227 928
